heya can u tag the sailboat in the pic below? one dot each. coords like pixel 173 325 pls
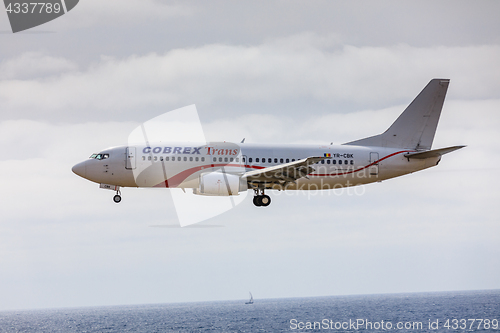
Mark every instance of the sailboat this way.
pixel 251 299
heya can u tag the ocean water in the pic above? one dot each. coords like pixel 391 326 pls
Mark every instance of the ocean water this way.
pixel 418 312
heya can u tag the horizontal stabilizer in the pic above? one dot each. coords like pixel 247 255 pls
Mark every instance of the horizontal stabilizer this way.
pixel 433 153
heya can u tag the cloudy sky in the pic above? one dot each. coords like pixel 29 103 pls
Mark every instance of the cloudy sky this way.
pixel 272 72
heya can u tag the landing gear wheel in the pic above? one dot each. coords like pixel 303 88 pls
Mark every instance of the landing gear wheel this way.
pixel 260 199
pixel 265 200
pixel 117 198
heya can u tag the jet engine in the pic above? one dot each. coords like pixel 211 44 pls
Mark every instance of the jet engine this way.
pixel 220 184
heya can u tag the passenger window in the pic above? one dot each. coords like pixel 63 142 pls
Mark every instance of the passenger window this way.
pixel 215 159
pixel 322 161
pixel 203 159
pixel 269 160
pixel 334 161
pixel 149 158
pixel 225 159
pixel 352 162
pixel 243 159
pixel 191 159
pixel 196 159
pixel 161 158
pixel 263 160
pixel 275 160
pixel 340 161
pixel 178 159
pixel 220 159
pixel 167 158
pixel 143 158
pixel 156 158
pixel 185 159
pixel 231 159
pixel 257 160
pixel 250 160
pixel 346 162
pixel 293 159
pixel 287 160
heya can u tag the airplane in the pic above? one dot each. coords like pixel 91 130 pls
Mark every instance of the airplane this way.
pixel 227 169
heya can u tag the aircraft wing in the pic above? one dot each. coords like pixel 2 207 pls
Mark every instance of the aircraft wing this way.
pixel 288 172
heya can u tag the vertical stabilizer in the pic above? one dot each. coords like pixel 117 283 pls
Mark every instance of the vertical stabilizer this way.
pixel 416 126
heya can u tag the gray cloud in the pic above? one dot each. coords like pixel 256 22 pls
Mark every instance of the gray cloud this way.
pixel 122 28
pixel 285 76
pixel 34 65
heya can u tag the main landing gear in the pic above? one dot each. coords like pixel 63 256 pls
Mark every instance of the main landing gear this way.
pixel 117 198
pixel 261 200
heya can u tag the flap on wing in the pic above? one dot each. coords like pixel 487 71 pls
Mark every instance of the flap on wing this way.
pixel 284 172
pixel 433 152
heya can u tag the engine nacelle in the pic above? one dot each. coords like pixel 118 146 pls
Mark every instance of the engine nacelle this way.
pixel 220 184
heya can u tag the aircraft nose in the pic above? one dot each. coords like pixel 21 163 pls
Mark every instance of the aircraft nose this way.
pixel 80 169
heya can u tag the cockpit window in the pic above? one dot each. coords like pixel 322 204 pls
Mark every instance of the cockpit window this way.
pixel 99 156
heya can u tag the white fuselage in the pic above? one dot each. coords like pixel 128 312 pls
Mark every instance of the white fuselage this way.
pixel 227 169
pixel 179 165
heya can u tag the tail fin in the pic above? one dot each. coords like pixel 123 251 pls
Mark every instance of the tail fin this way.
pixel 416 126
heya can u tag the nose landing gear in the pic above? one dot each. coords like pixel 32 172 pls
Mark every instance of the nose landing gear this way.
pixel 117 198
pixel 261 200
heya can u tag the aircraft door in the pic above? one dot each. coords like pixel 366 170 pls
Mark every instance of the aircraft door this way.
pixel 130 158
pixel 373 169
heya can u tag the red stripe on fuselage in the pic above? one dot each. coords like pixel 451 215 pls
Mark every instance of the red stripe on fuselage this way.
pixel 176 180
pixel 367 166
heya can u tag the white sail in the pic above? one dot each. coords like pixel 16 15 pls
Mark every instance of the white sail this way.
pixel 251 299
